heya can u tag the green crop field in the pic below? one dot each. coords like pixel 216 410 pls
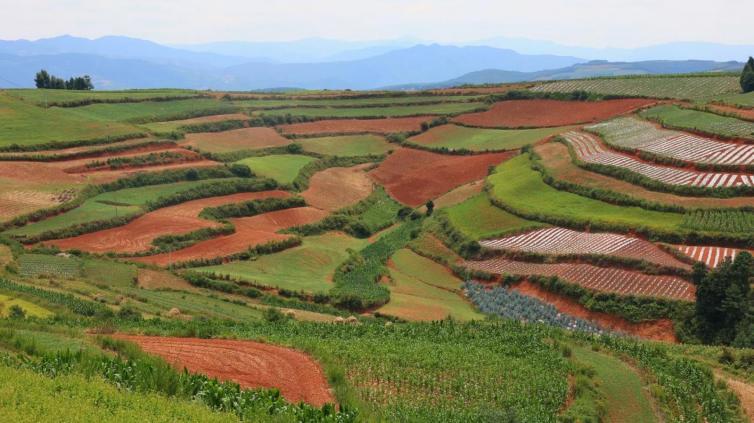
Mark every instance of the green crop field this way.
pixel 347 146
pixel 388 111
pixel 42 97
pixel 109 205
pixel 680 87
pixel 308 267
pixel 742 100
pixel 31 309
pixel 281 167
pixel 676 117
pixel 521 188
pixel 454 137
pixel 356 102
pixel 421 289
pixel 154 111
pixel 477 218
pixel 27 125
pixel 32 265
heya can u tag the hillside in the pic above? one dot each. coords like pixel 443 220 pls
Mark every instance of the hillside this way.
pixel 568 250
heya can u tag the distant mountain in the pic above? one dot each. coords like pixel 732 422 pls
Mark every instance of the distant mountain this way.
pixel 119 48
pixel 667 51
pixel 310 50
pixel 595 68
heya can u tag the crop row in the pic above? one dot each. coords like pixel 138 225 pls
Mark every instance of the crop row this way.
pixel 688 87
pixel 563 241
pixel 32 265
pixel 590 150
pixel 636 134
pixel 739 221
pixel 710 256
pixel 510 304
pixel 601 279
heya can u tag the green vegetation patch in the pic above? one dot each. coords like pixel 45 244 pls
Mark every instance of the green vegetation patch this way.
pixel 47 97
pixel 389 111
pixel 478 218
pixel 681 87
pixel 421 289
pixel 678 118
pixel 26 126
pixel 281 167
pixel 154 111
pixel 355 102
pixel 519 187
pixel 737 221
pixel 110 273
pixel 307 268
pixel 454 137
pixel 30 309
pixel 739 100
pixel 33 265
pixel 349 145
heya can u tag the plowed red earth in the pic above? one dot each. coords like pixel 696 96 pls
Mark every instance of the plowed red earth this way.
pixel 413 176
pixel 541 113
pixel 338 187
pixel 238 139
pixel 138 235
pixel 351 126
pixel 250 231
pixel 659 330
pixel 250 364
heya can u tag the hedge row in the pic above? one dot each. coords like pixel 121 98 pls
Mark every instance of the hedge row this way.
pixel 86 153
pixel 56 145
pixel 251 208
pixel 88 101
pixel 253 251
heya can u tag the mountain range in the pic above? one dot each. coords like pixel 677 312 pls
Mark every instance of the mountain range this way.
pixel 116 62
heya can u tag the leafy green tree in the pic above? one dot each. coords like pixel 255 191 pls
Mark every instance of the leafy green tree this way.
pixel 16 312
pixel 723 301
pixel 42 79
pixel 747 76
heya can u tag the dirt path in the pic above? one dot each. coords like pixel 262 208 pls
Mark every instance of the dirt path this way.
pixel 743 390
pixel 250 364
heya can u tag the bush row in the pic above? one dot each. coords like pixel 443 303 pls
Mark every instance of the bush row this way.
pixel 251 208
pixel 56 145
pixel 85 153
pixel 94 100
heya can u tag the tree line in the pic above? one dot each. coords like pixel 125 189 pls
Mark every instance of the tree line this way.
pixel 44 79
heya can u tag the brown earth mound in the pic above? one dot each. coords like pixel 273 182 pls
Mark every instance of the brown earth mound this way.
pixel 413 176
pixel 338 187
pixel 237 139
pixel 356 126
pixel 137 235
pixel 542 113
pixel 250 231
pixel 659 330
pixel 250 364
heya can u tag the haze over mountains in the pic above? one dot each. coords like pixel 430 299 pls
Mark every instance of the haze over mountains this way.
pixel 120 62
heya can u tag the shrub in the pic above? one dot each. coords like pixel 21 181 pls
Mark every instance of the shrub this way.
pixel 16 312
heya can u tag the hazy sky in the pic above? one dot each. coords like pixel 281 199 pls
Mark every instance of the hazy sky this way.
pixel 596 23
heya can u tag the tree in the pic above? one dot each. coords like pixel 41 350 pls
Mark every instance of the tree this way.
pixel 747 76
pixel 430 207
pixel 42 79
pixel 723 301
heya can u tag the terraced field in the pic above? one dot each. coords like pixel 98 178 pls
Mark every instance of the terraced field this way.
pixel 477 218
pixel 710 256
pixel 454 137
pixel 378 112
pixel 347 145
pixel 235 140
pixel 635 134
pixel 281 167
pixel 678 87
pixel 600 279
pixel 561 241
pixel 694 120
pixel 589 149
pixel 356 126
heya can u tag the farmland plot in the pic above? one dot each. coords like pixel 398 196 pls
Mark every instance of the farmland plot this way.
pixel 641 135
pixel 33 265
pixel 689 119
pixel 563 241
pixel 356 126
pixel 709 255
pixel 686 87
pixel 589 149
pixel 601 279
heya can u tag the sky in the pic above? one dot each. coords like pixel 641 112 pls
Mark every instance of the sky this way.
pixel 589 23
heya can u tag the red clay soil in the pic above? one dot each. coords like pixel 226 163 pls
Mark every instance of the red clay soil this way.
pixel 338 187
pixel 356 126
pixel 414 177
pixel 250 364
pixel 543 113
pixel 137 235
pixel 250 231
pixel 237 139
pixel 658 330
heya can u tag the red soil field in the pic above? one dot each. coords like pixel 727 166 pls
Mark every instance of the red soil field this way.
pixel 658 330
pixel 542 113
pixel 250 364
pixel 137 235
pixel 414 176
pixel 250 231
pixel 356 126
pixel 603 279
pixel 237 139
pixel 338 187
